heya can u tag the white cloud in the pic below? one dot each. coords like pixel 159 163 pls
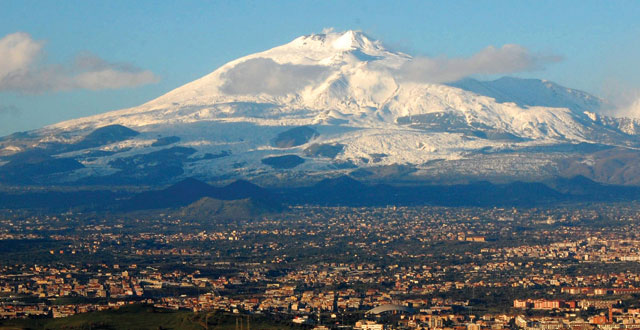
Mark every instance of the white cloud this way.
pixel 509 58
pixel 264 75
pixel 634 108
pixel 17 53
pixel 21 71
pixel 629 108
pixel 623 100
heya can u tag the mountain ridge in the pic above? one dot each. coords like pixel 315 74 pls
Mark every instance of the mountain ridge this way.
pixel 226 203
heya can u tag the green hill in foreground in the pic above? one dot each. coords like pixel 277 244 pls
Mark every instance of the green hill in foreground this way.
pixel 148 317
pixel 213 209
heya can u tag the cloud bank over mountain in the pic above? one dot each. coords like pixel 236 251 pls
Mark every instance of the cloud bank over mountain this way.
pixel 264 75
pixel 510 58
pixel 630 109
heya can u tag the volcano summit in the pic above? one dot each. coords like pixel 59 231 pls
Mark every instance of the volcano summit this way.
pixel 330 104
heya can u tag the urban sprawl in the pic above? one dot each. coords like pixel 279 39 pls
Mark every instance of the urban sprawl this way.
pixel 565 267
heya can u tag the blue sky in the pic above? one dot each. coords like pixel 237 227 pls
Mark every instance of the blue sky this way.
pixel 165 44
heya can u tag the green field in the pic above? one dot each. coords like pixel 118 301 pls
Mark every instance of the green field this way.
pixel 148 317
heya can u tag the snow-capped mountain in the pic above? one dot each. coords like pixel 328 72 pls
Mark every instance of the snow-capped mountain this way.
pixel 324 105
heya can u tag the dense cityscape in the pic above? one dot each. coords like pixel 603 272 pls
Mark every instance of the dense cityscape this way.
pixel 573 266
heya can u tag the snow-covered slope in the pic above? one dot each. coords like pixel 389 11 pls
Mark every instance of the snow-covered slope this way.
pixel 533 92
pixel 244 119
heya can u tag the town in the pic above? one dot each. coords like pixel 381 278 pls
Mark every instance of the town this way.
pixel 574 266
